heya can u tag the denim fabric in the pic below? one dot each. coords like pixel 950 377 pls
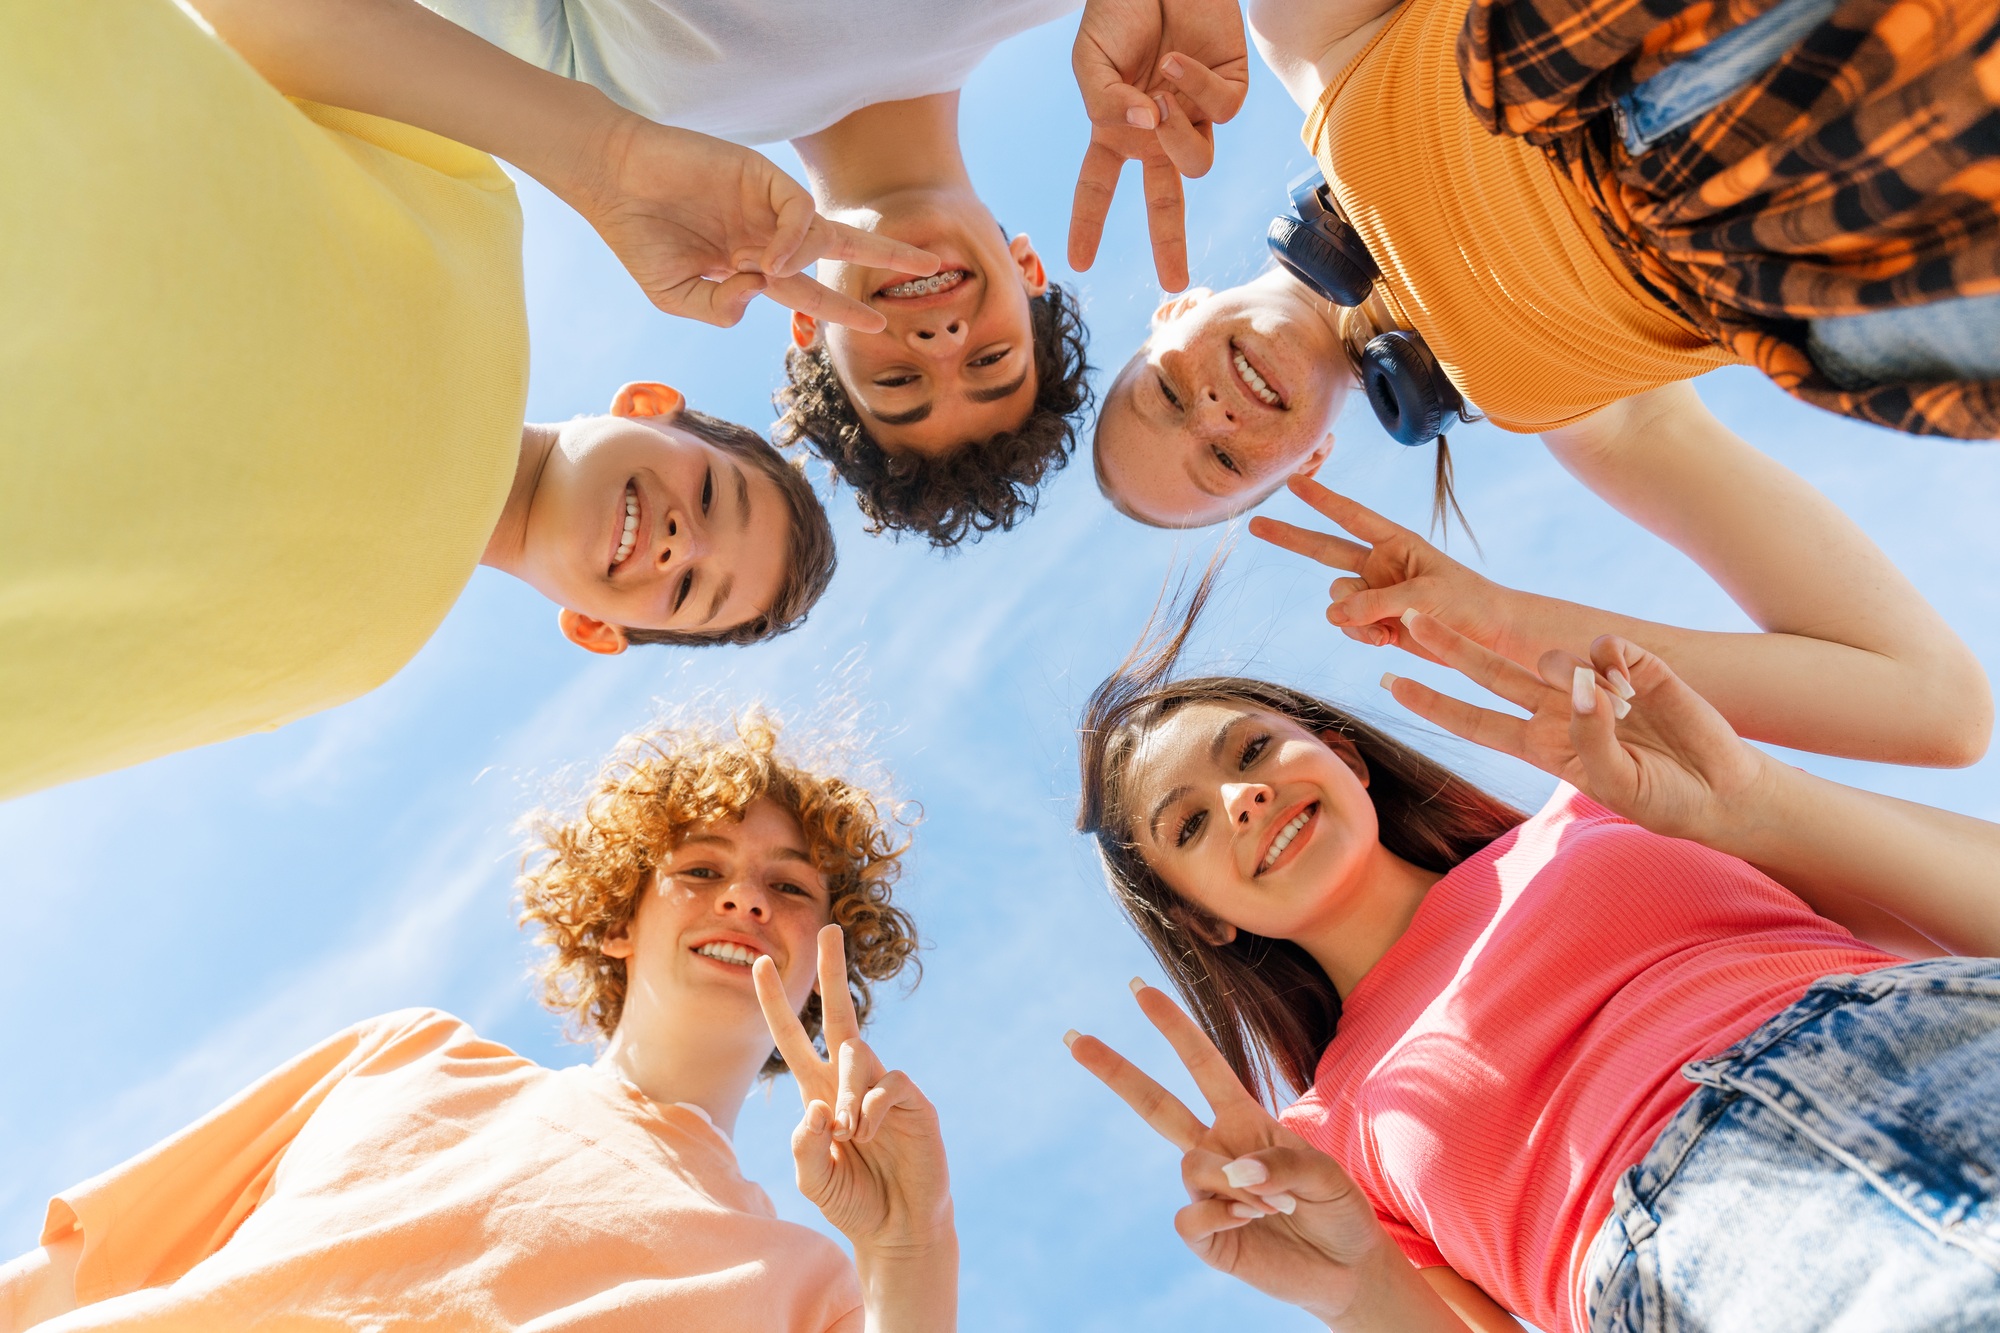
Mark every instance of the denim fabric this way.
pixel 1701 81
pixel 1956 339
pixel 1836 1172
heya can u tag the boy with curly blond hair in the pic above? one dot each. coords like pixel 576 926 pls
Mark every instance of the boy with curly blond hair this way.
pixel 408 1172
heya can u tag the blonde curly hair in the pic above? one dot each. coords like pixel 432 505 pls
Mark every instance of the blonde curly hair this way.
pixel 596 860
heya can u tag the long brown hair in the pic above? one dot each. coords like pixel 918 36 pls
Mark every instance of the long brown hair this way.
pixel 1266 1003
pixel 1359 325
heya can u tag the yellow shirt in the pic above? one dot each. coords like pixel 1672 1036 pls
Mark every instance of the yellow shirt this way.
pixel 262 372
pixel 1485 248
pixel 408 1174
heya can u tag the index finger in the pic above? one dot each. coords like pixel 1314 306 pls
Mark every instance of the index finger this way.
pixel 810 297
pixel 1482 666
pixel 786 1030
pixel 836 1002
pixel 1168 1116
pixel 1166 221
pixel 1096 184
pixel 1331 551
pixel 838 241
pixel 1355 517
pixel 1212 1074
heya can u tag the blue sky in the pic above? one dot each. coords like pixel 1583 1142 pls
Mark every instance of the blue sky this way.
pixel 178 929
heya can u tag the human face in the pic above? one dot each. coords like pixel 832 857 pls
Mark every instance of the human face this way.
pixel 1258 822
pixel 1231 393
pixel 956 362
pixel 729 893
pixel 709 534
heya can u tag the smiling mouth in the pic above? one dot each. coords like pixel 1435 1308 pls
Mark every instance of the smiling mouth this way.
pixel 629 535
pixel 1287 835
pixel 1253 379
pixel 931 286
pixel 722 951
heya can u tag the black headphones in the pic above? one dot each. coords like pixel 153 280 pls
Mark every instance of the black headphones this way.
pixel 1409 391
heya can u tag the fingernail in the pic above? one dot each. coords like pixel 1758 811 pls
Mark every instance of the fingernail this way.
pixel 1389 681
pixel 816 1117
pixel 1583 690
pixel 842 1129
pixel 1245 1171
pixel 1161 102
pixel 1284 1203
pixel 1245 1210
pixel 1137 117
pixel 1619 708
pixel 1620 684
pixel 1138 984
pixel 1069 1037
pixel 1406 617
pixel 1171 67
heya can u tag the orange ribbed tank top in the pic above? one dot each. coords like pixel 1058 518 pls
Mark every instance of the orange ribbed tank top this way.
pixel 1485 248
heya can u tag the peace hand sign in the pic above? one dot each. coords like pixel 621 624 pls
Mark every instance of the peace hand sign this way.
pixel 1395 572
pixel 868 1151
pixel 1621 728
pixel 704 225
pixel 1156 77
pixel 1265 1205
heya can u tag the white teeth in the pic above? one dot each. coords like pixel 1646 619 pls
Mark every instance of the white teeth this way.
pixel 631 536
pixel 1285 836
pixel 937 282
pixel 1255 382
pixel 729 953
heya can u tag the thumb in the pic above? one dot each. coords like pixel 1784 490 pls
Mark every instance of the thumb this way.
pixel 812 1152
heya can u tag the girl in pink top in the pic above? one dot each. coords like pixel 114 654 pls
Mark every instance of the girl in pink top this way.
pixel 407 1173
pixel 1643 1060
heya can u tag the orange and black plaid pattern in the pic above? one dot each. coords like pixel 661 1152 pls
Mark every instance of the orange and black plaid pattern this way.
pixel 1860 172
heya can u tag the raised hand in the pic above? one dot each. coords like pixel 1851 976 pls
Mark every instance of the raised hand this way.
pixel 1264 1205
pixel 1621 727
pixel 1156 77
pixel 1394 570
pixel 705 225
pixel 868 1150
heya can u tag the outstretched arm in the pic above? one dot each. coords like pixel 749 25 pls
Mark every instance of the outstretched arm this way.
pixel 1904 876
pixel 1852 661
pixel 703 225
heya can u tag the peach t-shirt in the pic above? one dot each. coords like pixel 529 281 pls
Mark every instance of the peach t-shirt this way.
pixel 408 1173
pixel 1521 1045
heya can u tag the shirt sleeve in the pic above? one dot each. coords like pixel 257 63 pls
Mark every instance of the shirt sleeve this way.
pixel 149 1220
pixel 1416 1246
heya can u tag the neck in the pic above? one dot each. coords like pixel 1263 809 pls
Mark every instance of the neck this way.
pixel 1365 925
pixel 507 548
pixel 884 150
pixel 708 1065
pixel 1275 279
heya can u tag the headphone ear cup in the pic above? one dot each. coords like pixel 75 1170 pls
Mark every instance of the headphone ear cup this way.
pixel 1409 391
pixel 1321 264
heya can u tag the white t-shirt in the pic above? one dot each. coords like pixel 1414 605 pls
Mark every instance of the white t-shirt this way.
pixel 754 71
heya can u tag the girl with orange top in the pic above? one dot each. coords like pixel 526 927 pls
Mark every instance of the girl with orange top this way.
pixel 1653 1057
pixel 710 898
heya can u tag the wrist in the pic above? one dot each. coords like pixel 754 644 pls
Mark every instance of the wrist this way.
pixel 579 153
pixel 908 1244
pixel 1741 820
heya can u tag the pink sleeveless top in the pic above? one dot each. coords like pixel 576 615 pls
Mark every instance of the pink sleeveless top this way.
pixel 1520 1046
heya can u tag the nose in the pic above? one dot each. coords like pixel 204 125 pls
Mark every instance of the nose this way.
pixel 683 541
pixel 1239 799
pixel 741 898
pixel 1212 413
pixel 938 335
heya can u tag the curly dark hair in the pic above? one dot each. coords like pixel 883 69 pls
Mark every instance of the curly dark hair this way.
pixel 986 485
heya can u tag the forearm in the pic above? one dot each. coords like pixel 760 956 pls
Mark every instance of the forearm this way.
pixel 1854 661
pixel 913 1289
pixel 398 60
pixel 1837 846
pixel 1392 1296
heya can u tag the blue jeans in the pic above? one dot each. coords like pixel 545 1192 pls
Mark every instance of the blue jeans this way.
pixel 1837 1171
pixel 1955 339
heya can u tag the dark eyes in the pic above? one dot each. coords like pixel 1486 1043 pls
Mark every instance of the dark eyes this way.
pixel 707 489
pixel 796 890
pixel 780 886
pixel 1167 391
pixel 990 359
pixel 1253 750
pixel 895 381
pixel 1189 827
pixel 686 587
pixel 1227 462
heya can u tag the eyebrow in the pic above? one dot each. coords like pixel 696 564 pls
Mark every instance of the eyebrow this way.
pixel 916 414
pixel 721 839
pixel 1215 744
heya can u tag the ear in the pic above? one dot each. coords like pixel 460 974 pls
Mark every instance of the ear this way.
pixel 1205 927
pixel 591 635
pixel 1034 277
pixel 1349 755
pixel 645 398
pixel 618 943
pixel 804 329
pixel 1311 464
pixel 1175 306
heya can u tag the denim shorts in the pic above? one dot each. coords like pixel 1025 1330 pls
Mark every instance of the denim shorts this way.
pixel 1955 339
pixel 1836 1171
